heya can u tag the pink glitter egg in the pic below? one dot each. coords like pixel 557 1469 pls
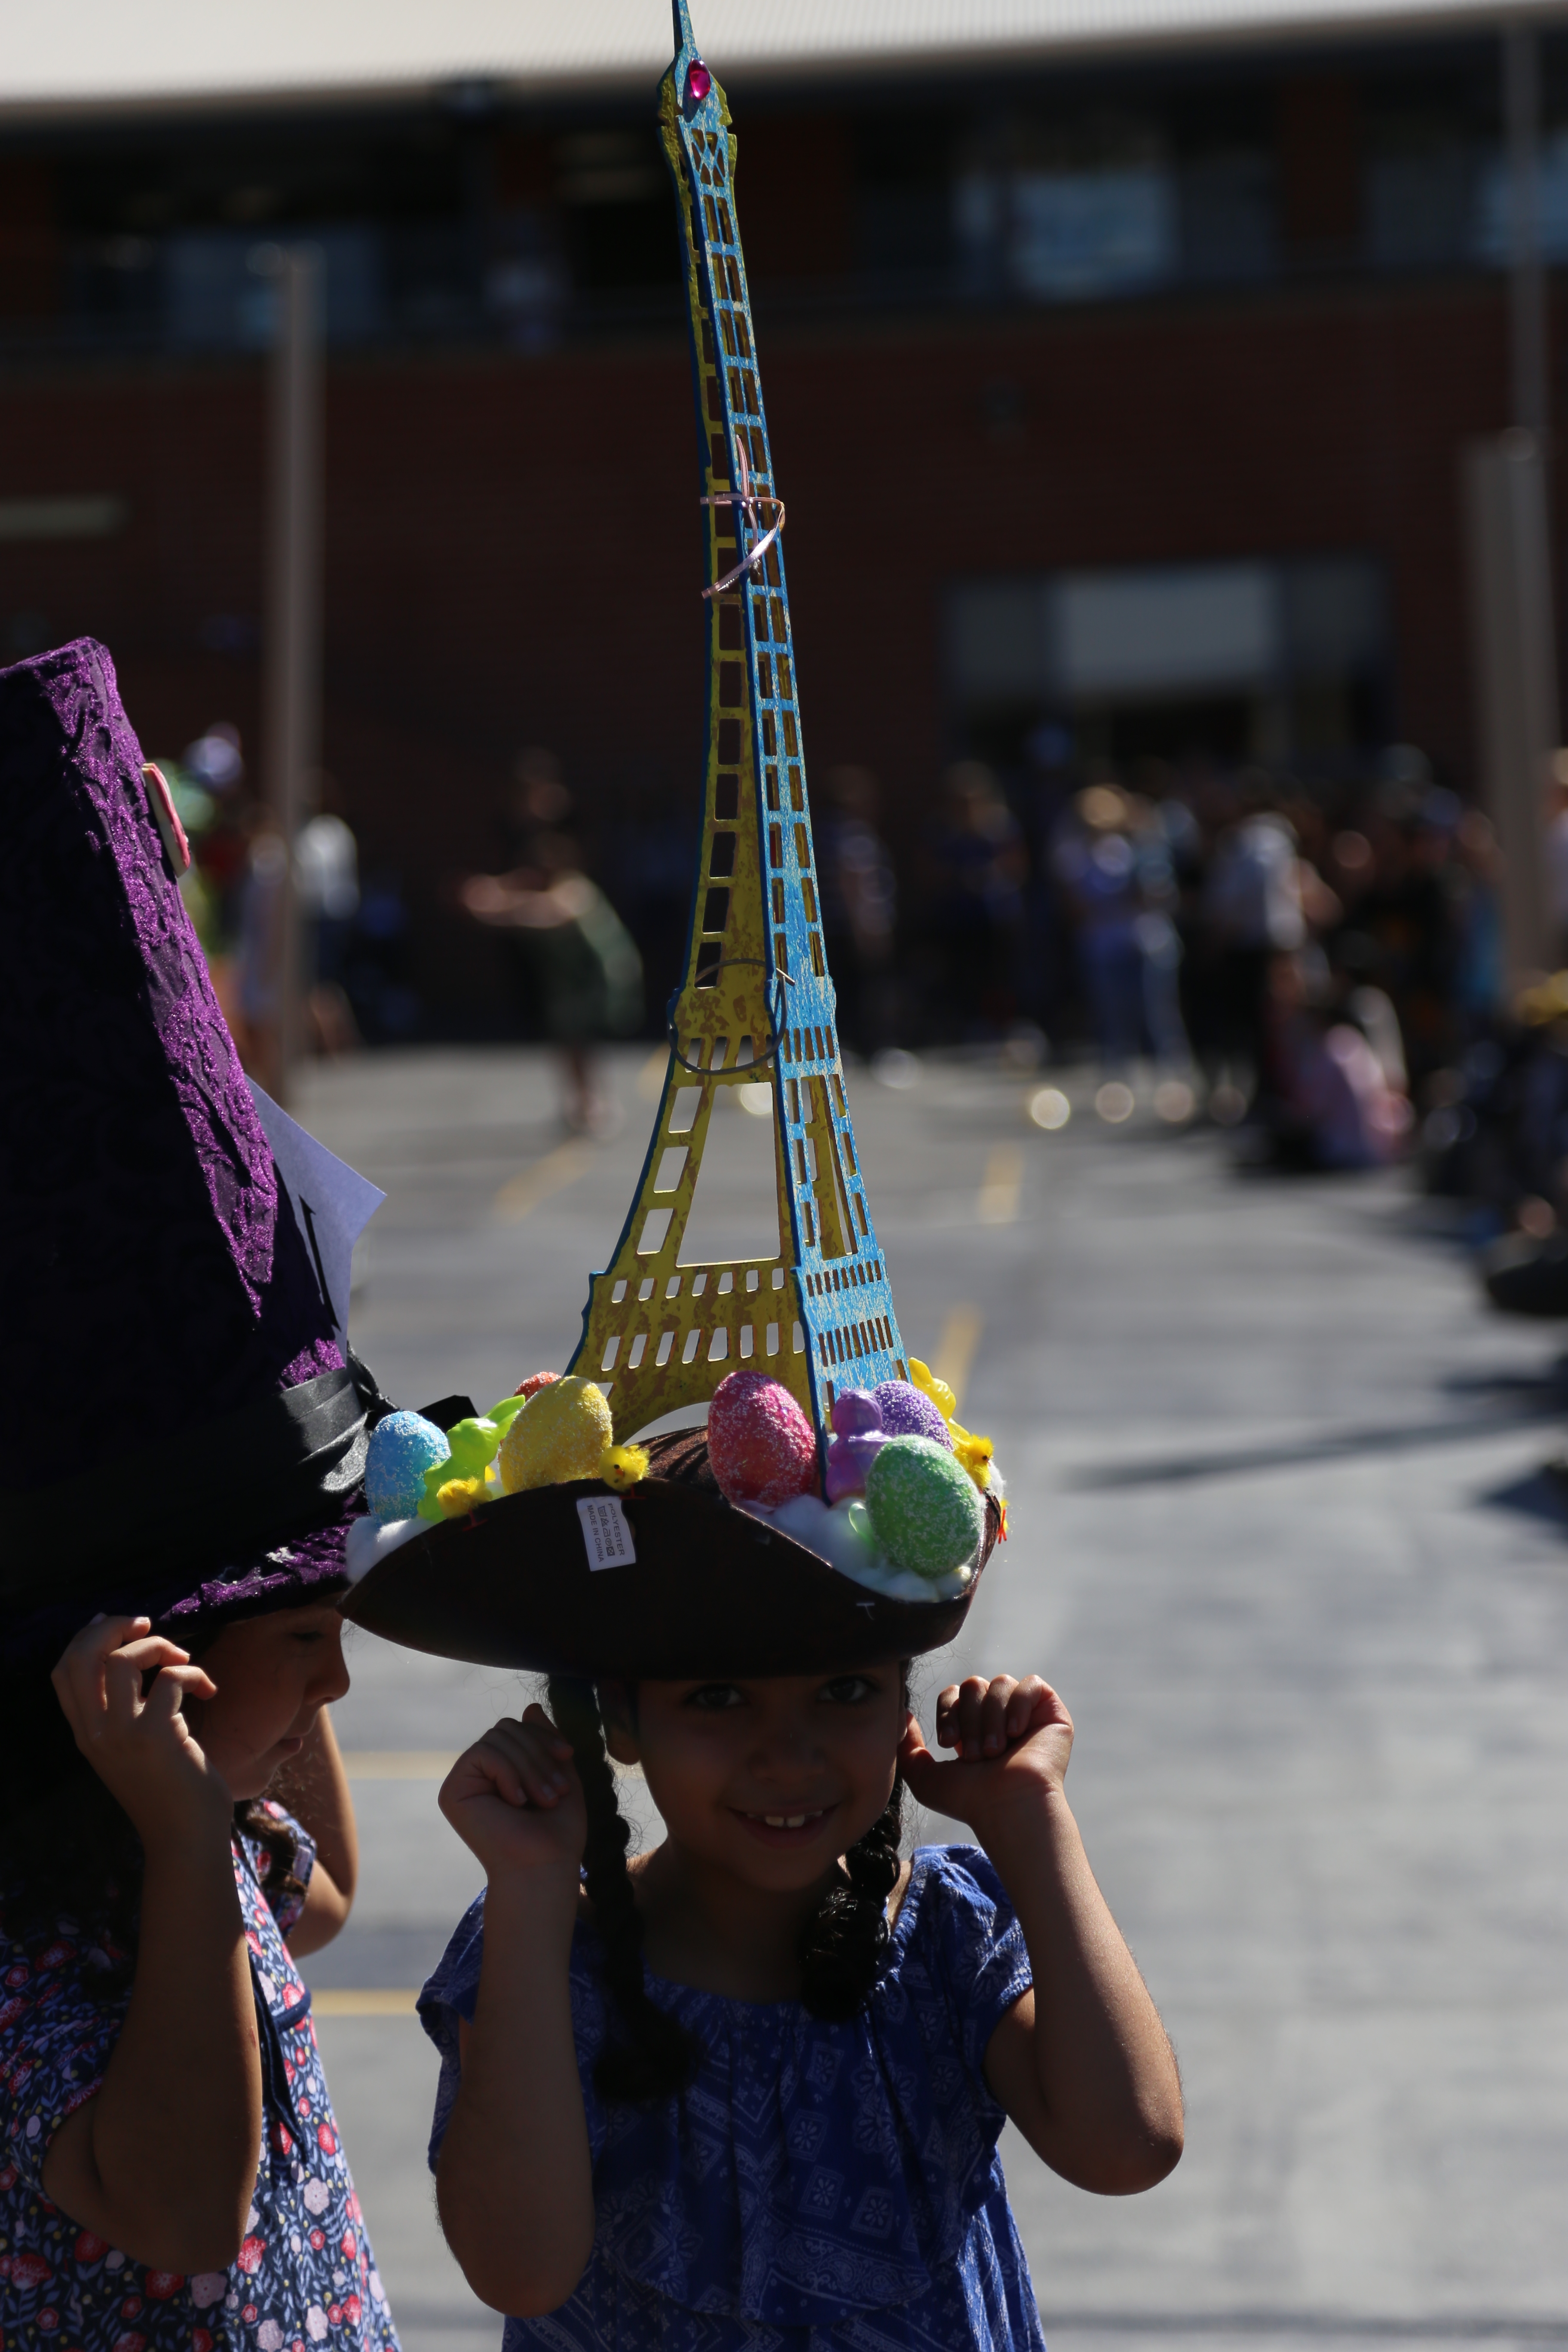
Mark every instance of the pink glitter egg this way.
pixel 762 1446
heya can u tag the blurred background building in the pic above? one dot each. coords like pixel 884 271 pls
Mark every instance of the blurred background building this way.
pixel 1121 364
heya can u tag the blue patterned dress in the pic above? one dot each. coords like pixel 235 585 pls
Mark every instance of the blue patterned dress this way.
pixel 305 2279
pixel 820 2188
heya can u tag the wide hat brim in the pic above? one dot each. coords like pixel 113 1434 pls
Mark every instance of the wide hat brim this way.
pixel 712 1591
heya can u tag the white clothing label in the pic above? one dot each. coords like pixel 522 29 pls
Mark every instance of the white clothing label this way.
pixel 606 1537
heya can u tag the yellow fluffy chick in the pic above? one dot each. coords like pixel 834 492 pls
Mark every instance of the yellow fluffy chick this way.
pixel 458 1496
pixel 561 1434
pixel 976 1453
pixel 621 1466
pixel 926 1381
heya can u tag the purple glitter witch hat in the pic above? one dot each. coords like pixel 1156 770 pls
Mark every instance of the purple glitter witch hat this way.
pixel 182 1435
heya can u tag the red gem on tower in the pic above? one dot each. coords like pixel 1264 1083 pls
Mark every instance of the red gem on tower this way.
pixel 698 82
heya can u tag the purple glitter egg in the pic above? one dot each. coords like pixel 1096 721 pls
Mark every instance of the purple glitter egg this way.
pixel 855 1413
pixel 908 1412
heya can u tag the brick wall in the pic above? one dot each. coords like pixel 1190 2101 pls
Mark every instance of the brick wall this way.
pixel 513 550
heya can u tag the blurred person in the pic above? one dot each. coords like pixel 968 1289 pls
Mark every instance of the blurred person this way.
pixel 326 885
pixel 379 978
pixel 1045 792
pixel 1261 900
pixel 855 874
pixel 1408 916
pixel 207 783
pixel 1334 1100
pixel 1480 964
pixel 584 961
pixel 257 959
pixel 215 760
pixel 646 867
pixel 976 910
pixel 538 801
pixel 1114 863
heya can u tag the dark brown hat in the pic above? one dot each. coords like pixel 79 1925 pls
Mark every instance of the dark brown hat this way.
pixel 710 1590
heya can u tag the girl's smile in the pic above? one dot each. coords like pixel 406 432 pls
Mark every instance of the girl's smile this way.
pixel 789 1829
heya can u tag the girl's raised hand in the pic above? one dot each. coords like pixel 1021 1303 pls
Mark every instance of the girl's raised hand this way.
pixel 136 1738
pixel 1013 1741
pixel 514 1798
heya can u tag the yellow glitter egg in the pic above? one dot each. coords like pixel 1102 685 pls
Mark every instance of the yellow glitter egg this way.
pixel 561 1434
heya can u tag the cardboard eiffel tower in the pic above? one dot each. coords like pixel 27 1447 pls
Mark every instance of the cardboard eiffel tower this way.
pixel 756 1002
pixel 540 1533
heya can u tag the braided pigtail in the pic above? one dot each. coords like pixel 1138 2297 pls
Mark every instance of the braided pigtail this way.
pixel 657 2059
pixel 846 1940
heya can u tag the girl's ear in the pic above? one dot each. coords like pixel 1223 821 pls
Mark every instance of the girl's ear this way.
pixel 615 1714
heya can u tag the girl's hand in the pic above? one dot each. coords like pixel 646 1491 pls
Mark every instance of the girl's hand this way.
pixel 1013 1741
pixel 514 1798
pixel 136 1739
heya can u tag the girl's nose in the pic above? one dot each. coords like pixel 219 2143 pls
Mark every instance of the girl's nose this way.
pixel 785 1749
pixel 330 1680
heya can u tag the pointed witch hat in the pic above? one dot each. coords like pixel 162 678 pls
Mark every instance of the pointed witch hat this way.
pixel 537 1535
pixel 185 1430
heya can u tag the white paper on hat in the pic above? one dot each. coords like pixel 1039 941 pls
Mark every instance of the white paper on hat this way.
pixel 332 1202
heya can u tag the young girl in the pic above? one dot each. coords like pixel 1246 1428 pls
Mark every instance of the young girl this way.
pixel 157 2033
pixel 784 2136
pixel 185 1445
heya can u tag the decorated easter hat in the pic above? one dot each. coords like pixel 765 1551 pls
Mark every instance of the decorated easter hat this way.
pixel 185 1427
pixel 833 1512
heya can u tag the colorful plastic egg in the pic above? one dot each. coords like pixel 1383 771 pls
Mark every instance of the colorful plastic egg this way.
pixel 761 1444
pixel 855 1413
pixel 401 1449
pixel 848 1461
pixel 561 1434
pixel 924 1508
pixel 906 1412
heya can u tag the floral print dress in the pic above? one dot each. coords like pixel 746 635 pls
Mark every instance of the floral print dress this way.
pixel 820 2188
pixel 305 2276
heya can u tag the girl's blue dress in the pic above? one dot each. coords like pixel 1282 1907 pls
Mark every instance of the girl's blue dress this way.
pixel 820 2188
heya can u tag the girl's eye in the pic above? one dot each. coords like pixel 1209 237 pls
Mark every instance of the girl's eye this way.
pixel 848 1690
pixel 711 1696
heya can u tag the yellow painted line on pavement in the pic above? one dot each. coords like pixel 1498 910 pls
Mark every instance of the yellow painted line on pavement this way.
pixel 522 1194
pixel 397 1763
pixel 959 1338
pixel 998 1202
pixel 380 2000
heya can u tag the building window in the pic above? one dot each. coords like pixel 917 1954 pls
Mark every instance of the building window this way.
pixel 1266 659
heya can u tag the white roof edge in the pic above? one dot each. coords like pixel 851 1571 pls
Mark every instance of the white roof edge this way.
pixel 839 39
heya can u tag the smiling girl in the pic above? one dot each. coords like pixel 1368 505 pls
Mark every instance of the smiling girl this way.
pixel 748 2093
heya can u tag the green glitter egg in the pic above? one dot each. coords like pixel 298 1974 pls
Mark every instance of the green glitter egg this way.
pixel 924 1506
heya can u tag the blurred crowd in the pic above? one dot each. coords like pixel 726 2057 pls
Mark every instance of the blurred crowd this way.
pixel 1318 968
pixel 1310 965
pixel 355 952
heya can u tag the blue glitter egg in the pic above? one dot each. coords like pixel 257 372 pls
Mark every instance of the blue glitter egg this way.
pixel 401 1448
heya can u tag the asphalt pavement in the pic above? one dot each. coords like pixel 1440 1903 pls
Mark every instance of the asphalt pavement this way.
pixel 1280 1538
